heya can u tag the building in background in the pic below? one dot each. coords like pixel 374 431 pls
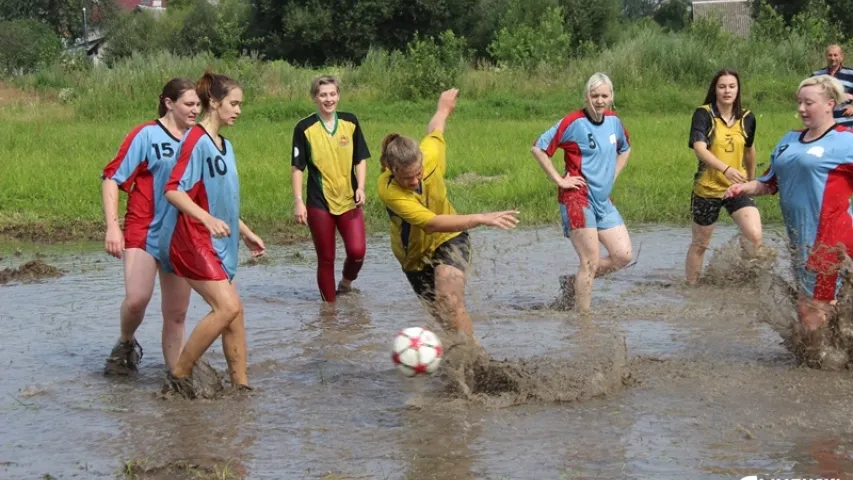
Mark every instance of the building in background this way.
pixel 734 15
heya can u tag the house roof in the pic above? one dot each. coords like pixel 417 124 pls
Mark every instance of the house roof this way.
pixel 130 5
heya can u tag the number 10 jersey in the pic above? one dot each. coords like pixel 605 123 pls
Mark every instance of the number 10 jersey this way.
pixel 208 175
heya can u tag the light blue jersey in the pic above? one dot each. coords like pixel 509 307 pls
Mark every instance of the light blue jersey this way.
pixel 590 150
pixel 814 181
pixel 141 167
pixel 209 177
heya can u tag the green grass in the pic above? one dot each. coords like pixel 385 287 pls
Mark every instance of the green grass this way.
pixel 51 165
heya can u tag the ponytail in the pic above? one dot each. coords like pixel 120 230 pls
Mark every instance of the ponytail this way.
pixel 398 151
pixel 212 86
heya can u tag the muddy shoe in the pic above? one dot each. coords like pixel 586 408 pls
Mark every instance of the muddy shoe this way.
pixel 566 300
pixel 124 358
pixel 203 382
pixel 342 290
pixel 182 386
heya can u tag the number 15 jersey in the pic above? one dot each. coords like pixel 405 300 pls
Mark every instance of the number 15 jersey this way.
pixel 141 168
pixel 209 176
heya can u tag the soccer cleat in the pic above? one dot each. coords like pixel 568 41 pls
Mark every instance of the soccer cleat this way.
pixel 124 358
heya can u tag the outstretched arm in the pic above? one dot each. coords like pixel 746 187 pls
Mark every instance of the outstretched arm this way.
pixel 446 104
pixel 458 223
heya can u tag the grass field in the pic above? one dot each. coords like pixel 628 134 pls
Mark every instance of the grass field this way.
pixel 51 164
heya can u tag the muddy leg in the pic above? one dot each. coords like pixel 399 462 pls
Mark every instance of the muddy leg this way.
pixel 449 303
pixel 585 241
pixel 617 242
pixel 235 350
pixel 226 307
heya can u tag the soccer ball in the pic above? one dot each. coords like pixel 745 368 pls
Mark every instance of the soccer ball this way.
pixel 416 351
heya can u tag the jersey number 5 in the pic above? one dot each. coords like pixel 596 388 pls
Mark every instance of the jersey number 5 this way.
pixel 166 150
pixel 216 166
pixel 591 140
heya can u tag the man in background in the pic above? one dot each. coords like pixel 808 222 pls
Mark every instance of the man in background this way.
pixel 835 67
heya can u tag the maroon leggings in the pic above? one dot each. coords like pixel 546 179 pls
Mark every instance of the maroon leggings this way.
pixel 322 225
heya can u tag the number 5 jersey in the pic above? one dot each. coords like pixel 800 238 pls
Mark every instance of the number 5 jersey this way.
pixel 208 175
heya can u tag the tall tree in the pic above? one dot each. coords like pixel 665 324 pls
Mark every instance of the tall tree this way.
pixel 65 17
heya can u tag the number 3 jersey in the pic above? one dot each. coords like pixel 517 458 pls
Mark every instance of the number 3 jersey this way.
pixel 141 168
pixel 727 143
pixel 590 150
pixel 209 177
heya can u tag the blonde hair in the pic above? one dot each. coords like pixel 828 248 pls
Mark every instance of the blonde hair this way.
pixel 596 80
pixel 324 80
pixel 399 152
pixel 831 87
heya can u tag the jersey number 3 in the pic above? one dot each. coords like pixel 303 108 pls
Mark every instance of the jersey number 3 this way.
pixel 730 143
pixel 216 166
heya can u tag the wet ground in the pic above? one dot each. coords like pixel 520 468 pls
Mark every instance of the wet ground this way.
pixel 712 394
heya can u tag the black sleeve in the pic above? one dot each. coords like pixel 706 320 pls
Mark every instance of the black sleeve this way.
pixel 300 148
pixel 700 127
pixel 359 151
pixel 749 129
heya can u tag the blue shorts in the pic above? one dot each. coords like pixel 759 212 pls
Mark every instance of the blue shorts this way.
pixel 601 216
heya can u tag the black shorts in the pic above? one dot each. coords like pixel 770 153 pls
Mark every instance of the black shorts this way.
pixel 706 211
pixel 455 252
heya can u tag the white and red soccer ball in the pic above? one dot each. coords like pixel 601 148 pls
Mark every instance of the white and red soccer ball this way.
pixel 416 351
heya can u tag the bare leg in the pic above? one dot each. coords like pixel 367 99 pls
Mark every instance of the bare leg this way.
pixel 696 252
pixel 450 300
pixel 585 241
pixel 617 242
pixel 175 296
pixel 226 308
pixel 140 268
pixel 748 219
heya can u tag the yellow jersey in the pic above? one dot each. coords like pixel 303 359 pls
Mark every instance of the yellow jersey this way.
pixel 409 210
pixel 331 157
pixel 727 143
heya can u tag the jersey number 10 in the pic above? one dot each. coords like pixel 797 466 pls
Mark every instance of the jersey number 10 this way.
pixel 216 166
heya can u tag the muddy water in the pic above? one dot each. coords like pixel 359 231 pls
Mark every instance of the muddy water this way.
pixel 712 393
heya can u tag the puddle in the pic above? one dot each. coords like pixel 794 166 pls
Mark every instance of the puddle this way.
pixel 713 394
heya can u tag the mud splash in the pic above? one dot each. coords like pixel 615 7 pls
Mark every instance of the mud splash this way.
pixel 29 272
pixel 599 368
pixel 827 348
pixel 737 262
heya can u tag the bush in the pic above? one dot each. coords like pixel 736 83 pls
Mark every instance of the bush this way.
pixel 531 46
pixel 429 66
pixel 27 46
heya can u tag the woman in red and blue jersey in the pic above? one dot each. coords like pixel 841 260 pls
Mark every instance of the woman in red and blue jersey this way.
pixel 812 171
pixel 201 232
pixel 596 147
pixel 141 168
